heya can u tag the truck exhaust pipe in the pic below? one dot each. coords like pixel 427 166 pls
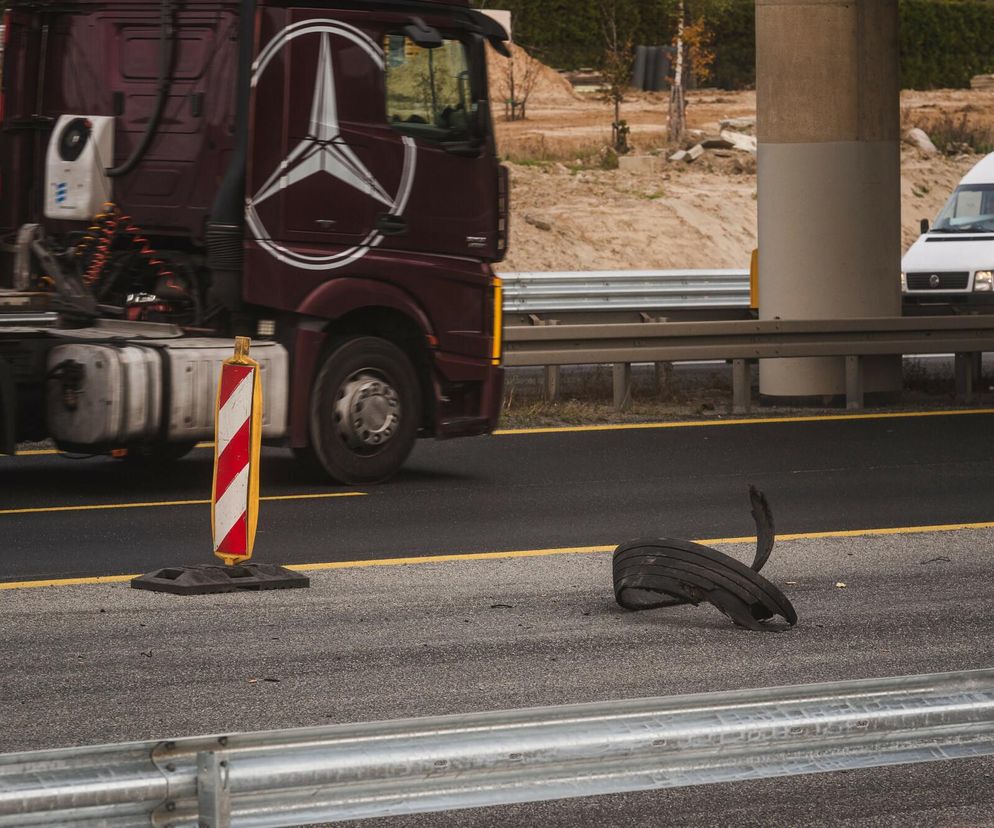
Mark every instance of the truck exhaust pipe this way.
pixel 226 226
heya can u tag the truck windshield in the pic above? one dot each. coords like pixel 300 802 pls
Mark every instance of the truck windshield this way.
pixel 970 209
pixel 428 90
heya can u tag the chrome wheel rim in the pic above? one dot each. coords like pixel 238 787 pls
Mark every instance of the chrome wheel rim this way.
pixel 367 412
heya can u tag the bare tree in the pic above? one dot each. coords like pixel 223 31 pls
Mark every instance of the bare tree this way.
pixel 521 73
pixel 678 105
pixel 617 69
pixel 695 55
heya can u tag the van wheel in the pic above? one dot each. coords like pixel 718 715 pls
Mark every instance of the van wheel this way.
pixel 365 411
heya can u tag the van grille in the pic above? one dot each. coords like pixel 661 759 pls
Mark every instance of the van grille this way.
pixel 947 281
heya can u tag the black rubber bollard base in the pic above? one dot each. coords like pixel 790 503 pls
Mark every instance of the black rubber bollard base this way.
pixel 208 579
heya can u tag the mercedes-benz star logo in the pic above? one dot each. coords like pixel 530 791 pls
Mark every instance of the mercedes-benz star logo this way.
pixel 324 150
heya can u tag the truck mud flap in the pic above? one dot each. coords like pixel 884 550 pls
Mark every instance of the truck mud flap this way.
pixel 666 572
pixel 8 410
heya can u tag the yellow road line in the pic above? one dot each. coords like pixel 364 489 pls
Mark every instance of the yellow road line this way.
pixel 814 418
pixel 886 415
pixel 531 553
pixel 470 556
pixel 61 582
pixel 154 504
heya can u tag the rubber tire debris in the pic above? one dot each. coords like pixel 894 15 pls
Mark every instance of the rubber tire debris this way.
pixel 666 572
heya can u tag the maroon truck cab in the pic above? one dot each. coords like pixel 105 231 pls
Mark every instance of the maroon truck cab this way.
pixel 322 174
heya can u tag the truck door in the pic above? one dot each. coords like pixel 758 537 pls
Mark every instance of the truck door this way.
pixel 432 98
pixel 361 140
pixel 318 178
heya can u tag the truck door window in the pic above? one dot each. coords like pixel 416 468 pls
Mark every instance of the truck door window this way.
pixel 428 90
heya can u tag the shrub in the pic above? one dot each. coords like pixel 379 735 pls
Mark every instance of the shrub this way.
pixel 943 43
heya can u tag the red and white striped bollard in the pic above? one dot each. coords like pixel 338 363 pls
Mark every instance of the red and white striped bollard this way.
pixel 237 444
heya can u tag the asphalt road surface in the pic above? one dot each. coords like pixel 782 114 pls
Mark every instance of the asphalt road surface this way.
pixel 510 492
pixel 97 663
pixel 101 662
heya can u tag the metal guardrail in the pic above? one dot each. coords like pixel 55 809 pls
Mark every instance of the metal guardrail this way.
pixel 743 340
pixel 625 290
pixel 378 769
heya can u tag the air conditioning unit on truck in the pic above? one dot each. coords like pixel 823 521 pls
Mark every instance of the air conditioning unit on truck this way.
pixel 320 177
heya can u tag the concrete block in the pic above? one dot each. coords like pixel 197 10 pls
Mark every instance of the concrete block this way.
pixel 743 124
pixel 743 143
pixel 694 153
pixel 983 83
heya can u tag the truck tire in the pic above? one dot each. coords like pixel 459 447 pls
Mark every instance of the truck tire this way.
pixel 365 411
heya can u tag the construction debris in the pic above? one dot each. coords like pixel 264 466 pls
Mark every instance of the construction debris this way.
pixel 743 143
pixel 666 572
pixel 919 138
pixel 743 124
pixel 694 153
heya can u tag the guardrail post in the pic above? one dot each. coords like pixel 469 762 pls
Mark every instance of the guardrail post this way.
pixel 552 372
pixel 854 382
pixel 622 386
pixel 741 387
pixel 213 792
pixel 552 376
pixel 965 375
pixel 664 377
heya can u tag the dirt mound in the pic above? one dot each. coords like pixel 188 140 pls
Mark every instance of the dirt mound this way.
pixel 569 214
pixel 548 87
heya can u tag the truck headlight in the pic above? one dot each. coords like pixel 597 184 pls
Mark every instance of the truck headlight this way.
pixel 904 282
pixel 983 281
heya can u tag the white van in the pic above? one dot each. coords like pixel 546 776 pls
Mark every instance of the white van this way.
pixel 953 262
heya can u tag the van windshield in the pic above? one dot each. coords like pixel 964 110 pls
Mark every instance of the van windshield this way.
pixel 970 209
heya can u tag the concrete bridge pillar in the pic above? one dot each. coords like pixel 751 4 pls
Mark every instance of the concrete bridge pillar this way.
pixel 828 123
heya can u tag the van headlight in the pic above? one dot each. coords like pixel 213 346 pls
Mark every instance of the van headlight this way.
pixel 904 282
pixel 983 281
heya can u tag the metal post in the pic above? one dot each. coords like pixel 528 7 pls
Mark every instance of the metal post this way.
pixel 854 382
pixel 213 790
pixel 552 377
pixel 663 377
pixel 741 387
pixel 964 368
pixel 622 386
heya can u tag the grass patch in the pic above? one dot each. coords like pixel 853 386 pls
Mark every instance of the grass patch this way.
pixel 585 398
pixel 953 134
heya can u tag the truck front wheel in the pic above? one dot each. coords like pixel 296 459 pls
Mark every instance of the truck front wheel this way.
pixel 365 411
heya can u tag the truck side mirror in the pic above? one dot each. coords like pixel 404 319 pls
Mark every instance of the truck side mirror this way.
pixel 423 35
pixel 924 226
